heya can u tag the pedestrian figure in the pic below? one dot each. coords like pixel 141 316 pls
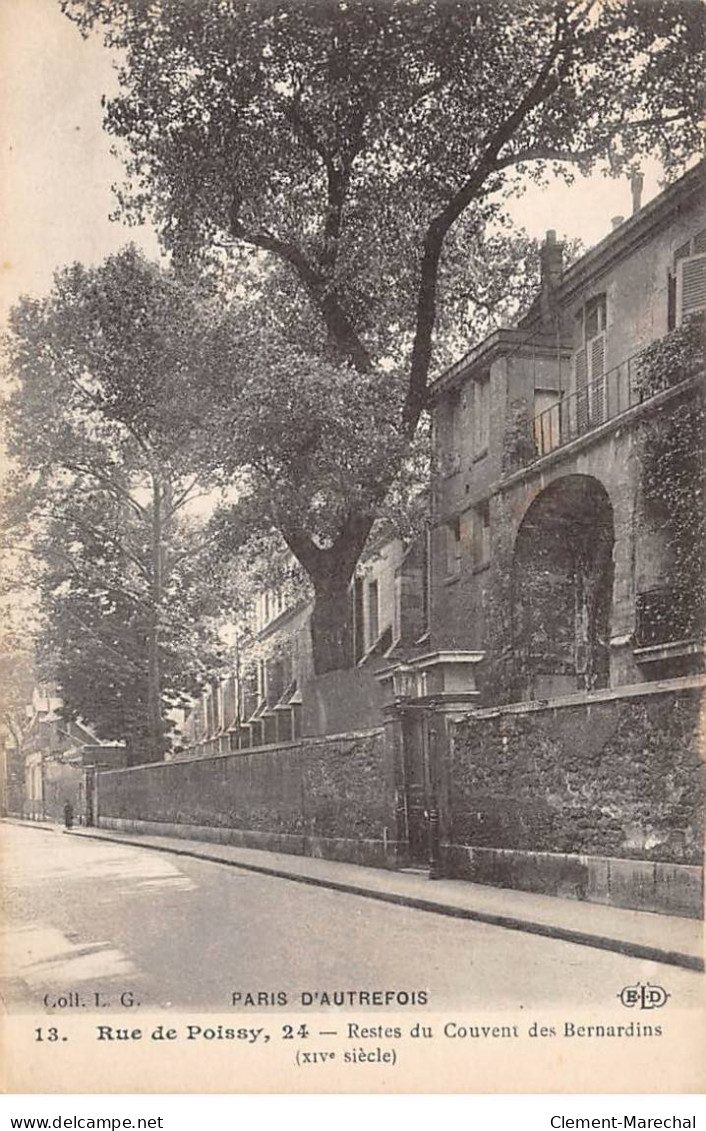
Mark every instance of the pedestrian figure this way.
pixel 68 814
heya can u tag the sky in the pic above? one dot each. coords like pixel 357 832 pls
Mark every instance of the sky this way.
pixel 57 168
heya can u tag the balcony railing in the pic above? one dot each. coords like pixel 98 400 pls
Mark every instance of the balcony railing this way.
pixel 577 413
pixel 666 362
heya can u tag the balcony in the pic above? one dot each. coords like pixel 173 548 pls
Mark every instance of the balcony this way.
pixel 661 365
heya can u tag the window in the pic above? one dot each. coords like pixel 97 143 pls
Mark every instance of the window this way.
pixel 452 548
pixel 481 535
pixel 481 416
pixel 274 680
pixel 450 434
pixel 589 363
pixel 373 613
pixel 691 286
pixel 595 318
pixel 397 610
pixel 687 281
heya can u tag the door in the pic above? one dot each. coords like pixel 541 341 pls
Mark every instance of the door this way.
pixel 416 772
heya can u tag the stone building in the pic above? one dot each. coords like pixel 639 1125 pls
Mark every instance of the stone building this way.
pixel 60 760
pixel 274 696
pixel 523 702
pixel 540 506
pixel 553 722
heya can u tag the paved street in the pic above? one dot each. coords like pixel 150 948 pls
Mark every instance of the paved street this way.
pixel 87 917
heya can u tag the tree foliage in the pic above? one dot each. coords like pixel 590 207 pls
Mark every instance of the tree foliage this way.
pixel 16 681
pixel 364 147
pixel 103 430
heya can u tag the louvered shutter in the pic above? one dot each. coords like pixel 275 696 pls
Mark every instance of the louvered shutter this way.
pixel 597 379
pixel 581 391
pixel 691 286
pixel 700 242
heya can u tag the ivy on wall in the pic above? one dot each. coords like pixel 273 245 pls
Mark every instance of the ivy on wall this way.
pixel 518 443
pixel 671 359
pixel 673 461
pixel 503 676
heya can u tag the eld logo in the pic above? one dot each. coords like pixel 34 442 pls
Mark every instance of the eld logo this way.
pixel 644 995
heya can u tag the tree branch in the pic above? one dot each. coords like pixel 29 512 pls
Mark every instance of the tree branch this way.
pixel 340 329
pixel 547 153
pixel 98 403
pixel 192 552
pixel 303 547
pixel 285 249
pixel 545 83
pixel 182 498
pixel 109 484
pixel 88 574
pixel 124 659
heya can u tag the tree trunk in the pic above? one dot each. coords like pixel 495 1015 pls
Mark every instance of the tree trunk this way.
pixel 331 635
pixel 330 572
pixel 154 677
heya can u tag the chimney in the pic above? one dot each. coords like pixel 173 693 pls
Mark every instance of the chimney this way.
pixel 617 221
pixel 637 180
pixel 551 255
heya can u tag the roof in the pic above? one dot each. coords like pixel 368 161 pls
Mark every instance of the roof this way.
pixel 618 243
pixel 635 230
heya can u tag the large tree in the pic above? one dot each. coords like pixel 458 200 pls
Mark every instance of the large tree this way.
pixel 117 654
pixel 360 144
pixel 103 431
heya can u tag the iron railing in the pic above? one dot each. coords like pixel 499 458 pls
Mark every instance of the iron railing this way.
pixel 577 413
pixel 670 360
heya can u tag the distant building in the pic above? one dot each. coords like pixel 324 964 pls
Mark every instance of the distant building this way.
pixel 274 697
pixel 59 759
pixel 11 772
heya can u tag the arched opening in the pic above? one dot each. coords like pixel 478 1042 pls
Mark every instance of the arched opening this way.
pixel 562 586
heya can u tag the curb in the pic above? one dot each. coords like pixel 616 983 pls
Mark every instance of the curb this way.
pixel 43 826
pixel 510 922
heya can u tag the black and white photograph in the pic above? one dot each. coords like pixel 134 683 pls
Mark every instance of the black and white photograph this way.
pixel 352 546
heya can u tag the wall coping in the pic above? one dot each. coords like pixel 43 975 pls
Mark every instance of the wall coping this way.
pixel 313 740
pixel 586 698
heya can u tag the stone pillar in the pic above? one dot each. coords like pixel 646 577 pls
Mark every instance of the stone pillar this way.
pixel 394 755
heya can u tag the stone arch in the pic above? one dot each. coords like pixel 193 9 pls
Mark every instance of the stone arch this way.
pixel 562 586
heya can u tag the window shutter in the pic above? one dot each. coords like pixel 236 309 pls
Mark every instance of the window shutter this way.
pixel 700 242
pixel 596 388
pixel 452 534
pixel 597 357
pixel 691 286
pixel 682 252
pixel 581 370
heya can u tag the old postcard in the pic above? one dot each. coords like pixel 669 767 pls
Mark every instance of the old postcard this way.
pixel 352 531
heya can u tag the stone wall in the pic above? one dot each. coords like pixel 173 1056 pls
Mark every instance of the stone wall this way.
pixel 618 779
pixel 346 700
pixel 332 797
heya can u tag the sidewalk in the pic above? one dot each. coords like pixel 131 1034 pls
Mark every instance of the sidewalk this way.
pixel 639 934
